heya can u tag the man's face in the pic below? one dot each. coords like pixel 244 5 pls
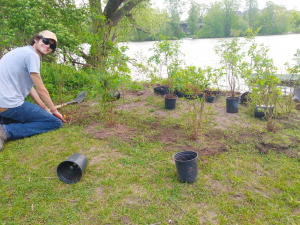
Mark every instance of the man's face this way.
pixel 43 49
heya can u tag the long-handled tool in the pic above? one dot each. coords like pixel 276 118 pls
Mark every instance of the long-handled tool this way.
pixel 78 99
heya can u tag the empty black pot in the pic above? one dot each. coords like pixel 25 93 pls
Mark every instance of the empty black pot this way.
pixel 70 171
pixel 170 103
pixel 186 164
pixel 232 104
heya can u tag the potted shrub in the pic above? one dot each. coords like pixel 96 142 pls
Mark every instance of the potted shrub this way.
pixel 212 95
pixel 295 76
pixel 166 56
pixel 263 82
pixel 234 67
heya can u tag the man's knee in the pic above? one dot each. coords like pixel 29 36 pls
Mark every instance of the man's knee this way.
pixel 57 123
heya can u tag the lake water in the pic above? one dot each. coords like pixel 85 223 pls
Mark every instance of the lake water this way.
pixel 201 53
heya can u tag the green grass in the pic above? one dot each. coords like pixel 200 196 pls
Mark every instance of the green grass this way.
pixel 133 181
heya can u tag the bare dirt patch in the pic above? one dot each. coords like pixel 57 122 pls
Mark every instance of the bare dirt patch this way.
pixel 134 201
pixel 296 211
pixel 98 159
pixel 81 114
pixel 210 217
pixel 224 119
pixel 125 219
pixel 213 150
pixel 218 186
pixel 288 148
pixel 258 190
pixel 167 135
pixel 238 197
pixel 119 131
pixel 99 193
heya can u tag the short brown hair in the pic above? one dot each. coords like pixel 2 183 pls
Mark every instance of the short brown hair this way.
pixel 35 36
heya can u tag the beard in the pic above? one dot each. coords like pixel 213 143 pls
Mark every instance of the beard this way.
pixel 38 49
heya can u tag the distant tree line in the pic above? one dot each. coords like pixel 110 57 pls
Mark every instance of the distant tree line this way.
pixel 223 19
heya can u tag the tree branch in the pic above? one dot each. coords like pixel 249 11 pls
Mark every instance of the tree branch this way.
pixel 132 21
pixel 83 64
pixel 85 56
pixel 111 7
pixel 141 29
pixel 113 21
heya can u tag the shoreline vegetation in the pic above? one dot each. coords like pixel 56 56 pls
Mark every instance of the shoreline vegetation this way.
pixel 187 38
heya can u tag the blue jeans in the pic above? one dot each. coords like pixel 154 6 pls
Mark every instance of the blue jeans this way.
pixel 27 120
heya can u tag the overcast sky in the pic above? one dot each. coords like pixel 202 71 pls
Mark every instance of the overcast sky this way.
pixel 289 4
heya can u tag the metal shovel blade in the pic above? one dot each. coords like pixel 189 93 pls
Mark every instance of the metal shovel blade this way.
pixel 80 97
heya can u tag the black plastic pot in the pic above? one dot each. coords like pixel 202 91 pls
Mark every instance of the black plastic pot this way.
pixel 114 95
pixel 161 90
pixel 212 96
pixel 260 111
pixel 232 104
pixel 170 103
pixel 70 171
pixel 210 99
pixel 246 97
pixel 180 94
pixel 297 93
pixel 186 164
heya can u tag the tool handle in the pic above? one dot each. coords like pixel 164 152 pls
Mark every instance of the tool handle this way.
pixel 67 103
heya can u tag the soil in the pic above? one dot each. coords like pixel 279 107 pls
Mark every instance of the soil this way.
pixel 213 141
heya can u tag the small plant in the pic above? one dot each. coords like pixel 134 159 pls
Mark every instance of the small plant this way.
pixel 110 81
pixel 295 70
pixel 264 82
pixel 293 82
pixel 166 57
pixel 232 59
pixel 194 81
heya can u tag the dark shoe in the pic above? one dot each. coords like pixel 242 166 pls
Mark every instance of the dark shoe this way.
pixel 3 137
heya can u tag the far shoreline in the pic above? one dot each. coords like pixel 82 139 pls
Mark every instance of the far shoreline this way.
pixel 285 34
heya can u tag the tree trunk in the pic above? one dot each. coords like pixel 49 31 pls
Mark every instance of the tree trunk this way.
pixel 103 22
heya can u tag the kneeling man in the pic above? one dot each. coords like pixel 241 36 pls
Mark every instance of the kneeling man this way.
pixel 19 71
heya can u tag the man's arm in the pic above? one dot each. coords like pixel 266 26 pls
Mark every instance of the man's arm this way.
pixel 34 95
pixel 43 93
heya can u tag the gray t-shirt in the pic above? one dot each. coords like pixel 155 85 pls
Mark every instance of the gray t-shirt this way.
pixel 15 80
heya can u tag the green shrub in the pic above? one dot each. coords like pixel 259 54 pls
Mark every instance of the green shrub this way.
pixel 67 82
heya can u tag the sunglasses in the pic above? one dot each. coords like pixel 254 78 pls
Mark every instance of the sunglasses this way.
pixel 47 42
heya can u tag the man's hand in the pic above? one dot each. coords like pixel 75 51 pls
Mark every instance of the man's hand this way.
pixel 58 115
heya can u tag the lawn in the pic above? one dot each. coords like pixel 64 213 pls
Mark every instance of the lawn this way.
pixel 245 174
